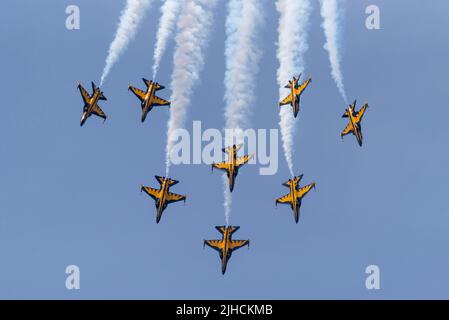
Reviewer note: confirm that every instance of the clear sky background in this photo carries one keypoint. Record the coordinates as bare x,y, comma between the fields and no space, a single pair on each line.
70,195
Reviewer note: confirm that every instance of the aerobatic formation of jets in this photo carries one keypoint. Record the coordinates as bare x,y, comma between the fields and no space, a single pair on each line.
163,197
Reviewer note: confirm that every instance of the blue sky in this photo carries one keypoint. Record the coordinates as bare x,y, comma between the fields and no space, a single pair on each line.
70,195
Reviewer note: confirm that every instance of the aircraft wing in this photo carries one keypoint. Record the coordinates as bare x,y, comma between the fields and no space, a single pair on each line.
153,193
243,160
349,128
304,190
97,111
221,165
237,244
215,244
160,102
360,114
287,100
84,93
139,93
285,199
173,197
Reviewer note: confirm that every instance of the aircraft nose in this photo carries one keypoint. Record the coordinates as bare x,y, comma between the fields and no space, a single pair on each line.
83,119
158,215
223,267
296,213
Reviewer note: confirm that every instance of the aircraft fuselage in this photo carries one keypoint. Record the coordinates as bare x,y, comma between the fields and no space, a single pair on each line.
225,253
161,204
295,100
295,204
89,106
355,125
147,103
232,172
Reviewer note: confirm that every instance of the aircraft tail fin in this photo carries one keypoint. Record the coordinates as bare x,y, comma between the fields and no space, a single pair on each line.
228,149
222,229
296,179
95,88
170,181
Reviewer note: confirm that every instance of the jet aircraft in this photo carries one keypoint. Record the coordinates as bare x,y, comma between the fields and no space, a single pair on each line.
296,91
354,125
91,103
163,196
295,196
148,98
233,164
226,245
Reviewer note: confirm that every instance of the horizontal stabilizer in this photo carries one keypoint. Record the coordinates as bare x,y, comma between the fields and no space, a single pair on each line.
222,229
170,181
147,82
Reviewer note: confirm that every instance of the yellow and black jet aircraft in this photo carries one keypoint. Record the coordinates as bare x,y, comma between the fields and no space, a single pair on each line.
149,99
91,103
296,90
163,197
233,164
296,194
354,126
226,245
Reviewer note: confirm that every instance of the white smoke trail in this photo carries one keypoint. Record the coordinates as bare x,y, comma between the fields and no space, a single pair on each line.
170,11
331,26
242,61
130,18
292,45
227,199
194,25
